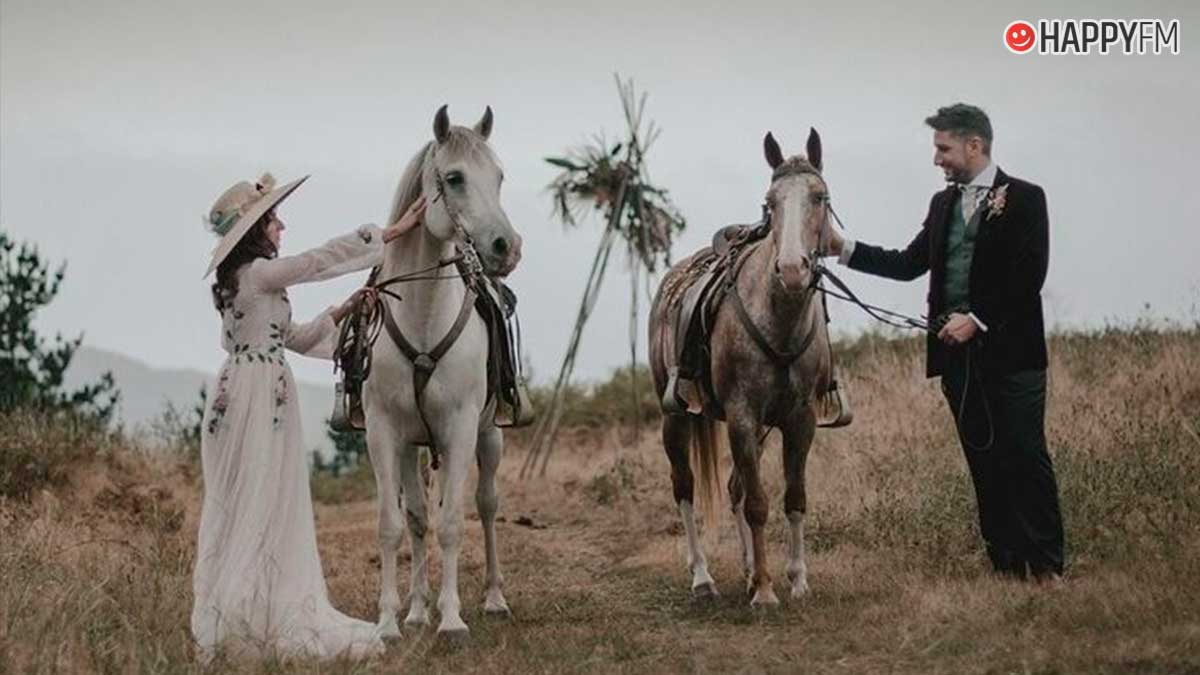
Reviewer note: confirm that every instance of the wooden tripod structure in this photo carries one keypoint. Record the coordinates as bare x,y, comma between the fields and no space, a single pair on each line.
596,176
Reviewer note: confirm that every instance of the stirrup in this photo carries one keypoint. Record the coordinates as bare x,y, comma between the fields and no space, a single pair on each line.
833,408
347,411
358,418
340,419
675,400
517,414
671,403
526,415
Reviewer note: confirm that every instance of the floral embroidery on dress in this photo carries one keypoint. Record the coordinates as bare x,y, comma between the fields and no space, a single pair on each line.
275,350
271,353
220,402
281,399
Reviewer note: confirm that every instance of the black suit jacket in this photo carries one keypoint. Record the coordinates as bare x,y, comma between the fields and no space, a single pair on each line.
1007,271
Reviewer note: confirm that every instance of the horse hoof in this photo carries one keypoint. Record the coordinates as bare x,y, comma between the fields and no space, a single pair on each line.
417,620
705,591
388,630
454,636
497,609
800,590
764,597
495,604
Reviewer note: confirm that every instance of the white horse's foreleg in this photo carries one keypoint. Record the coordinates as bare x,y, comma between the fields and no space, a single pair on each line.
702,583
417,515
491,443
457,452
382,446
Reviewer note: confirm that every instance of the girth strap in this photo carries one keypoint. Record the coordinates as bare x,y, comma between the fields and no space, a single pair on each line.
424,363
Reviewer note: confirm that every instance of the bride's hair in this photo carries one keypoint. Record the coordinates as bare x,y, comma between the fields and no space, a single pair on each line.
254,244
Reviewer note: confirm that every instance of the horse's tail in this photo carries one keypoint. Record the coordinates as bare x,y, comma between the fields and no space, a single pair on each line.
706,447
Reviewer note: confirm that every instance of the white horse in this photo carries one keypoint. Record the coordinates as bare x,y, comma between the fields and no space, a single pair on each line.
461,177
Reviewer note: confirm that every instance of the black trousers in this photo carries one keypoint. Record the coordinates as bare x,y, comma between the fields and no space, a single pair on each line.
1001,425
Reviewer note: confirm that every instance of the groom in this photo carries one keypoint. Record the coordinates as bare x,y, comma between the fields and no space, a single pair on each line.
985,244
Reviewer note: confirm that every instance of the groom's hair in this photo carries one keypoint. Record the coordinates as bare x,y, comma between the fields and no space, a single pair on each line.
963,121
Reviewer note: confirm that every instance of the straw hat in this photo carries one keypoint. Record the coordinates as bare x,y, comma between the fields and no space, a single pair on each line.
239,208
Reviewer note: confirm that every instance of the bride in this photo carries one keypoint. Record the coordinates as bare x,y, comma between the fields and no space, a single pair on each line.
258,584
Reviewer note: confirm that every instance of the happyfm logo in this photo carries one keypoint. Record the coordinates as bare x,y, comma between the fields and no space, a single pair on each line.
1019,37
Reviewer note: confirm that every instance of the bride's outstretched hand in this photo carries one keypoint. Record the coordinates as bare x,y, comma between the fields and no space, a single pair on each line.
410,219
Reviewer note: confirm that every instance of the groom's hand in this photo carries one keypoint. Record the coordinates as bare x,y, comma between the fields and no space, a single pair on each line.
959,329
835,241
835,244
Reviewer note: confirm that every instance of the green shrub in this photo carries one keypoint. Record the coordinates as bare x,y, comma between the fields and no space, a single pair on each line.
38,448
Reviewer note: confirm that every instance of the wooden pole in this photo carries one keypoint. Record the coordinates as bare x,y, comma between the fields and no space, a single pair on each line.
547,428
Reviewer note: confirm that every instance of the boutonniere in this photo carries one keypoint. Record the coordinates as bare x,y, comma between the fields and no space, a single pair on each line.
995,200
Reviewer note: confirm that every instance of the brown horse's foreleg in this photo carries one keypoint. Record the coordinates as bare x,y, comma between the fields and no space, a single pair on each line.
737,497
797,438
677,436
743,439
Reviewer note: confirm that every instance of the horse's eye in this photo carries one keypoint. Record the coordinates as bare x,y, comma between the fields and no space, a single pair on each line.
454,178
819,198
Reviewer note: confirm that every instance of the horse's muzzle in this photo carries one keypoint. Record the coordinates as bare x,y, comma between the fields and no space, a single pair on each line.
794,277
503,254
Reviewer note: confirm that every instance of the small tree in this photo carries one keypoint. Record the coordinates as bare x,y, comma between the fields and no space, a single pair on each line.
31,369
349,447
179,429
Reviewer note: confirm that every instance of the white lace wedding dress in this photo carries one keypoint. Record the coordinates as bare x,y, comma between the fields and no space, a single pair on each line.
258,584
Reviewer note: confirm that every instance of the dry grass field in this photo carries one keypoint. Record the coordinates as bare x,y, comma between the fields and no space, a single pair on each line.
97,540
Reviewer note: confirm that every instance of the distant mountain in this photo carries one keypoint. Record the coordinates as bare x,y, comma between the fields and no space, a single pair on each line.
145,391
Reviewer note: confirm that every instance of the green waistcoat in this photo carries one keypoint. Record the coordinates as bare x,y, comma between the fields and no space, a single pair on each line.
960,248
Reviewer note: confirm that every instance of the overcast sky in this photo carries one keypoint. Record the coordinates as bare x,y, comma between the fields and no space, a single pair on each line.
121,122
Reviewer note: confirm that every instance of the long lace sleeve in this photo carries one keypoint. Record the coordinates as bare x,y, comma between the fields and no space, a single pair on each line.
359,250
315,338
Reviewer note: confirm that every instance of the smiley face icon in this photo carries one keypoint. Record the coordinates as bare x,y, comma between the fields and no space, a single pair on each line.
1019,37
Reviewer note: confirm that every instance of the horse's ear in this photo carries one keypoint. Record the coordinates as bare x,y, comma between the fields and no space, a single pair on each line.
814,148
772,151
484,126
441,125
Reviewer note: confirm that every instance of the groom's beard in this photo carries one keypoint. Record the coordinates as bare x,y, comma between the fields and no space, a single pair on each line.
957,175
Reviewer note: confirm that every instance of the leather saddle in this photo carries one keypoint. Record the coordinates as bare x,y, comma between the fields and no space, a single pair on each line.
689,384
495,303
688,387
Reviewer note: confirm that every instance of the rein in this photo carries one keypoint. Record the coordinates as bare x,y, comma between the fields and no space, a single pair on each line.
889,317
899,320
782,359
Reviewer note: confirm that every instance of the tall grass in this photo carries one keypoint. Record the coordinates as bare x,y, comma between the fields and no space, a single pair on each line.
97,540
38,449
1122,414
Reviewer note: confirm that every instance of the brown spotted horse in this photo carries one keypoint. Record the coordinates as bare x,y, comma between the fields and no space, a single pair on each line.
765,348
